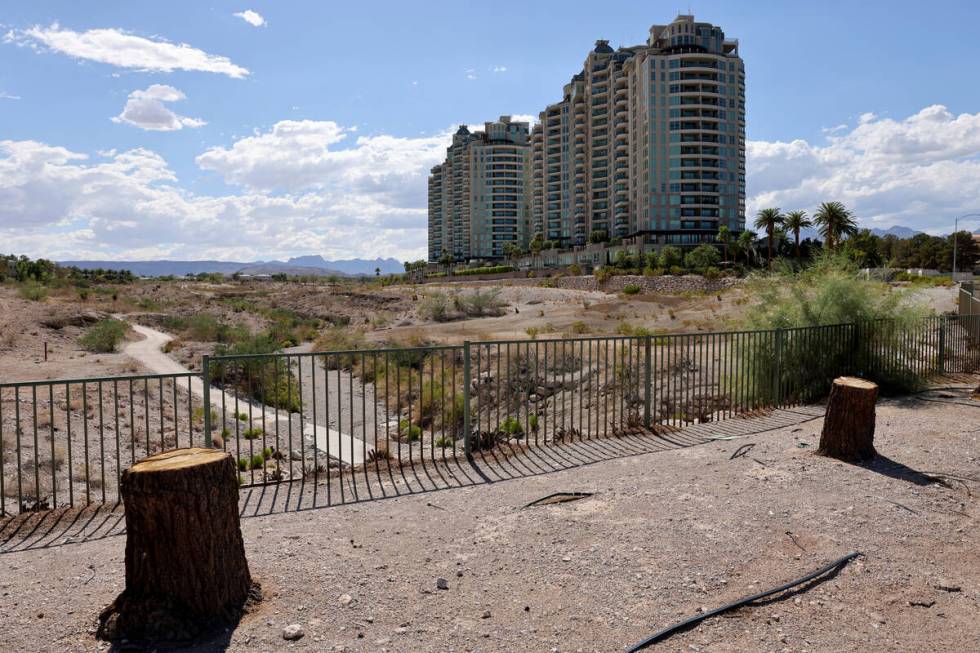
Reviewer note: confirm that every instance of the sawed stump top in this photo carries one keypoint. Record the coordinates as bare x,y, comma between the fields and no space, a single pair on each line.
176,459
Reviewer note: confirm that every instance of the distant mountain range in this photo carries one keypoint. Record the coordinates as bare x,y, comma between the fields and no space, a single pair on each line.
312,264
898,231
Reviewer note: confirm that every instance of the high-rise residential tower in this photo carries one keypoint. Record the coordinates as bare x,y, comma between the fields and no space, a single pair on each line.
478,198
647,143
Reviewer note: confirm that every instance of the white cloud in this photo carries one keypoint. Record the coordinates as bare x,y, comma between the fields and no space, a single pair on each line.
919,172
253,18
471,73
316,187
7,96
498,69
309,197
146,110
119,48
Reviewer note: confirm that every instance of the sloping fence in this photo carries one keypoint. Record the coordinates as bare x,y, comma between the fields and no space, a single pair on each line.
344,418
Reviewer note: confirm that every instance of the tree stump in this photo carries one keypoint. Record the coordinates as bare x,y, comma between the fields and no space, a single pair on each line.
186,571
849,425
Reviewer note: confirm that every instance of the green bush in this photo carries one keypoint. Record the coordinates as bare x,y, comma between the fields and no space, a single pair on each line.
409,431
631,289
242,465
104,335
832,292
258,462
702,257
511,426
480,303
252,434
435,307
32,291
495,269
670,257
712,273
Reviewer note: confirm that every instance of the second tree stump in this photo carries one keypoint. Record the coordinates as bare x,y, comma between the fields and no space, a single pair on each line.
849,425
185,558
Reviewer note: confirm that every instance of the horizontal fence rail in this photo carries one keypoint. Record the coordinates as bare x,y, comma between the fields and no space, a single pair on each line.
350,421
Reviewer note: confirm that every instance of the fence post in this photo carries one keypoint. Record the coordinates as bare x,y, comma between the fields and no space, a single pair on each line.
206,379
647,379
467,449
777,367
941,363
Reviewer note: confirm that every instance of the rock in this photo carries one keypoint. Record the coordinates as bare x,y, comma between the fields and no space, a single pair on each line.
346,599
295,455
442,584
921,603
292,632
486,614
947,586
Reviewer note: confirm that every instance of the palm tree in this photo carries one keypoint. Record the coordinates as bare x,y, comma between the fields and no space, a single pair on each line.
746,243
724,237
835,223
795,221
769,219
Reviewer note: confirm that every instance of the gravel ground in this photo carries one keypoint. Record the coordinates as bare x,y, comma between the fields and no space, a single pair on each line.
665,535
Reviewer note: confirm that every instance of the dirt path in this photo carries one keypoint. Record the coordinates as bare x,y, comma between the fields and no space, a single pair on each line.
148,352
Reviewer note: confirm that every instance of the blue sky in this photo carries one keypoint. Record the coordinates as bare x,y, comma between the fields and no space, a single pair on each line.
308,128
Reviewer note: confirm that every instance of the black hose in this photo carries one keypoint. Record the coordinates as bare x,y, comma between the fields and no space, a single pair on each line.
687,623
560,496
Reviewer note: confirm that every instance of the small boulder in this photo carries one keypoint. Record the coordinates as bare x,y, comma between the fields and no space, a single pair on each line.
442,584
292,632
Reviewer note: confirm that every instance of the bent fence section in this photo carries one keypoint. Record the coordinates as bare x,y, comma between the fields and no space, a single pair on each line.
341,418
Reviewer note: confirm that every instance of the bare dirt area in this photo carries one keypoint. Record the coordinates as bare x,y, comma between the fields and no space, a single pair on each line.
664,536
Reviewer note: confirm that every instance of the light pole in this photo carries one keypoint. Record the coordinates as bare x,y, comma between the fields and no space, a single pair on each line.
956,225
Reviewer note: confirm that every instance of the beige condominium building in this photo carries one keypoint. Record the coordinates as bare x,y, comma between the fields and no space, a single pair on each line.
478,197
646,144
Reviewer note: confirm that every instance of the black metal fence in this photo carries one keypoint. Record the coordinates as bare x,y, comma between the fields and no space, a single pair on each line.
346,419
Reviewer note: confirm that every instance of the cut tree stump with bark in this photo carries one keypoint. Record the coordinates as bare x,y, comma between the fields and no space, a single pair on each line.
849,425
186,571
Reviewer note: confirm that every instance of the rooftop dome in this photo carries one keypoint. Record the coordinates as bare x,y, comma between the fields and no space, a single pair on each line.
602,47
462,131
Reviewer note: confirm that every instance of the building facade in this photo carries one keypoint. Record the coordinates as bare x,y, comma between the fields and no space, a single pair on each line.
479,196
647,143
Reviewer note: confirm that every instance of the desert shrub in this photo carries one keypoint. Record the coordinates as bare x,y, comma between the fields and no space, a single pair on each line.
575,269
411,432
676,271
252,434
198,416
444,441
603,274
341,339
435,307
104,335
242,465
532,332
712,273
631,289
579,327
257,462
702,257
670,257
511,426
268,380
32,291
873,343
480,303
532,422
267,453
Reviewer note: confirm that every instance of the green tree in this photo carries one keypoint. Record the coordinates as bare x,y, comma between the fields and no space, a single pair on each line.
670,257
835,222
701,258
746,244
725,238
863,249
794,222
769,219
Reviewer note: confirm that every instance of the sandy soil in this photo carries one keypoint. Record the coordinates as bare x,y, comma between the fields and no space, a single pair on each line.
667,534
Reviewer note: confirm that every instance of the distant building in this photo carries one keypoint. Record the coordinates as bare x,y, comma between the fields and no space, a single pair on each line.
478,202
647,143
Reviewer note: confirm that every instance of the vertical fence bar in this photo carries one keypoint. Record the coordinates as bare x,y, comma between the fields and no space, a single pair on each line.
467,380
206,391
